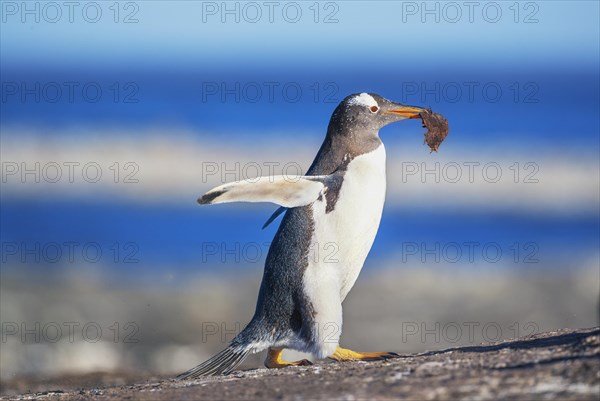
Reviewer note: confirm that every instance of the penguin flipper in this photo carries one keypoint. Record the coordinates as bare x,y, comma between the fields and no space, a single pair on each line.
286,191
275,214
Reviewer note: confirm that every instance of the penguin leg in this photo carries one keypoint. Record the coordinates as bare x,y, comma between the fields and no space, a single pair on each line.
343,354
274,360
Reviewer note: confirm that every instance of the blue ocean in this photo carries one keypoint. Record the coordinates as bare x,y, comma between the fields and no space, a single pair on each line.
551,110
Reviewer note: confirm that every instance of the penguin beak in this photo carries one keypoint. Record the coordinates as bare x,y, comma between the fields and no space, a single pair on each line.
406,111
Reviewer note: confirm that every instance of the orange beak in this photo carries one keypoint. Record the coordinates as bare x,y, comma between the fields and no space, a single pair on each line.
407,111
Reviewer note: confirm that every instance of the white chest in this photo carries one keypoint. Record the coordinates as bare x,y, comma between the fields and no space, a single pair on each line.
344,236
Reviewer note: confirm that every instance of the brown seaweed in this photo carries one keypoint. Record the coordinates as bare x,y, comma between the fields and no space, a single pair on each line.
437,128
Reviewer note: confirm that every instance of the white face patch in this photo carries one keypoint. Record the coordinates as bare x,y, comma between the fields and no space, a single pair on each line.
364,99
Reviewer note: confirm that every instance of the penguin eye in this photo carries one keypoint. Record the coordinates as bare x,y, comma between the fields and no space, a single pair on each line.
374,109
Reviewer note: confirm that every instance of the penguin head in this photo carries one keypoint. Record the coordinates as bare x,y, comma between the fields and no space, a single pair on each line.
370,112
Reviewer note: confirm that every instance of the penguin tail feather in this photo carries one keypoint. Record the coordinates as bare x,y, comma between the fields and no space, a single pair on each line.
221,364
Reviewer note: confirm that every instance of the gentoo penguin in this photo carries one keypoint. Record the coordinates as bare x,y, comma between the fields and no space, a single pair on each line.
332,217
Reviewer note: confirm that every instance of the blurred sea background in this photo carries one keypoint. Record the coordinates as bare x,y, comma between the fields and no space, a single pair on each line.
499,231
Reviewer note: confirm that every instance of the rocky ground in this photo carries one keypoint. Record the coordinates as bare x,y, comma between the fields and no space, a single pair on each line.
561,365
